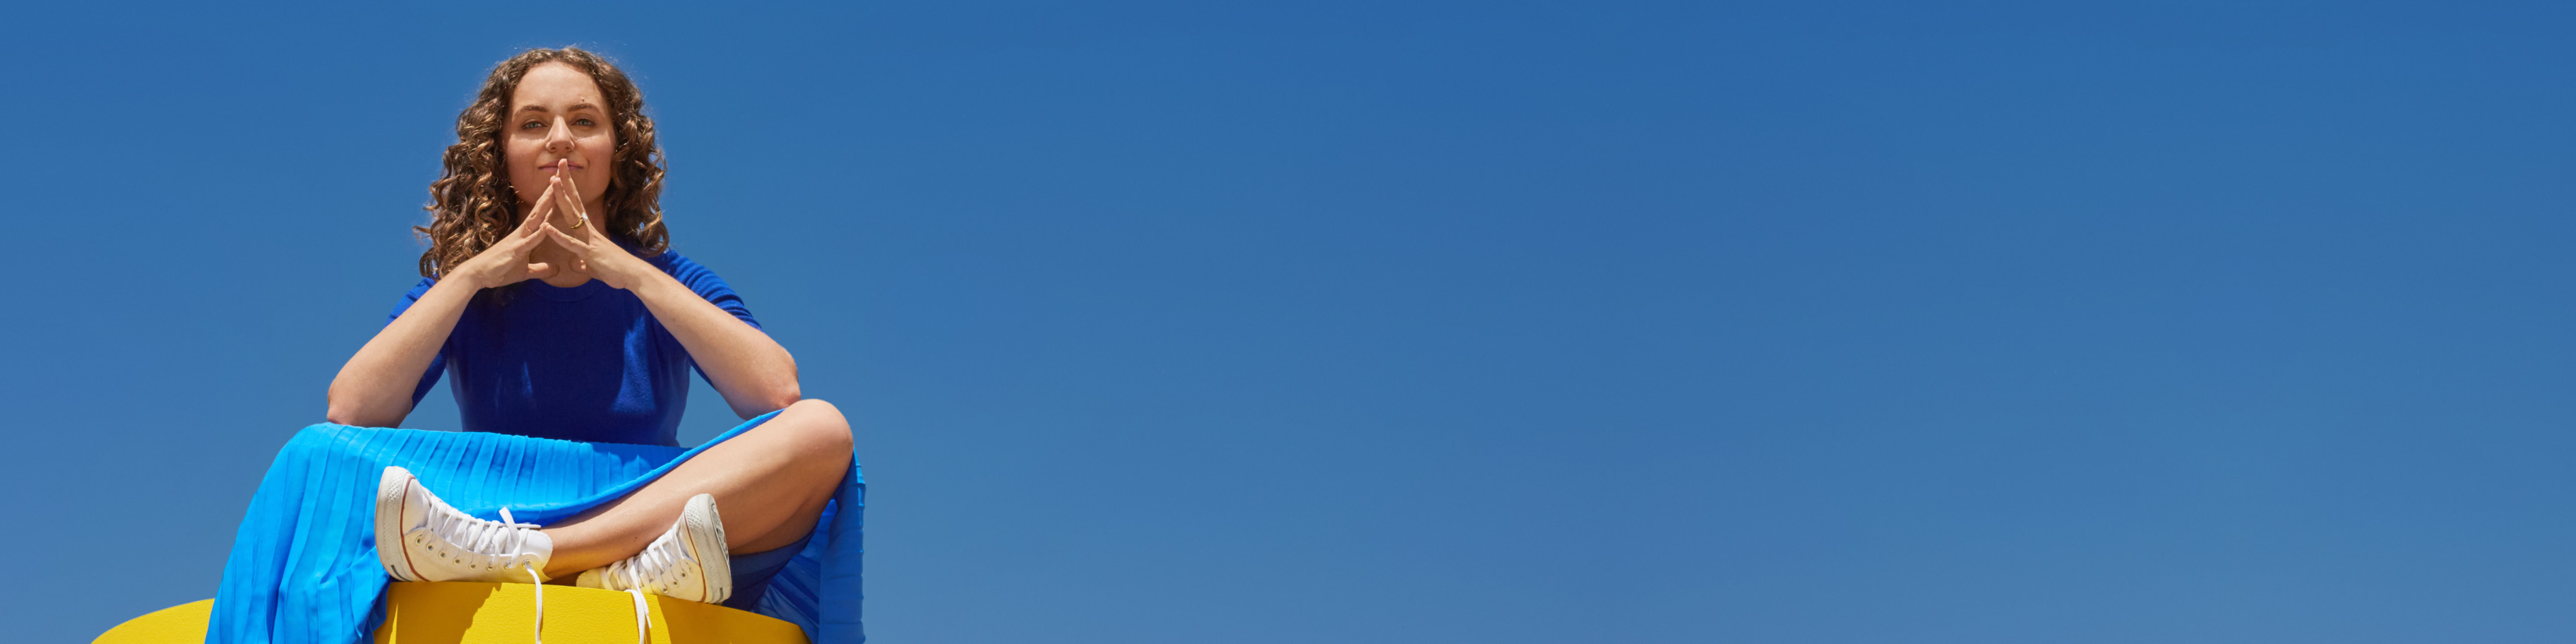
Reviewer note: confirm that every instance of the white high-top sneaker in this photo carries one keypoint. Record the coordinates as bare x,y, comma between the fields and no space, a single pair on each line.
687,562
421,538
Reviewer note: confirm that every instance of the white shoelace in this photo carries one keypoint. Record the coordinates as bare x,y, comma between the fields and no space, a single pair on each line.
508,536
643,611
662,558
538,631
643,618
480,536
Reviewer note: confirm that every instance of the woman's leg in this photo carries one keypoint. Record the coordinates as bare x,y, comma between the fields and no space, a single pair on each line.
770,485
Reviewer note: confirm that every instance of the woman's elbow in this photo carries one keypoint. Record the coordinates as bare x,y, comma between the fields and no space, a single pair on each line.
777,400
787,390
337,406
768,399
349,409
344,413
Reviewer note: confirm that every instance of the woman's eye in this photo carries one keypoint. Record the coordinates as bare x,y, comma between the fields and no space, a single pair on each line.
583,122
532,125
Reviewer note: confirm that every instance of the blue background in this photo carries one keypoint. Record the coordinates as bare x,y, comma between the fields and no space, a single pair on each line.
1422,322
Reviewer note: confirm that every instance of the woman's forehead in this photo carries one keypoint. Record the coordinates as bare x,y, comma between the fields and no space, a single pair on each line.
555,86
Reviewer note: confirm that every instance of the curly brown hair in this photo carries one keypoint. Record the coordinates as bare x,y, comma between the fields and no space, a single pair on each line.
472,205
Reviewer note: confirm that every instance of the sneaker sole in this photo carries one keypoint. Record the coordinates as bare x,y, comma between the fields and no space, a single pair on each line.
389,548
702,528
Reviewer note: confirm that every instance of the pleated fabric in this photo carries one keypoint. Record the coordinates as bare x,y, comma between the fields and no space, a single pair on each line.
303,568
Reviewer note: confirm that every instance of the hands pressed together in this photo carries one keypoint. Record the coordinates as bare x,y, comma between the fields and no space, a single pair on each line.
513,259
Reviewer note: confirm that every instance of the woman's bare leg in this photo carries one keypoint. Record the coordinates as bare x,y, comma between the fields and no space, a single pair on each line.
770,485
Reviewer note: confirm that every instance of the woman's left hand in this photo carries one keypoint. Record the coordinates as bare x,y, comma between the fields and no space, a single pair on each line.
593,252
755,375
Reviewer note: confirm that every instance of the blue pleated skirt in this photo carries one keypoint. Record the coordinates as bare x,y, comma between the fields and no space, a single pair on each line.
303,568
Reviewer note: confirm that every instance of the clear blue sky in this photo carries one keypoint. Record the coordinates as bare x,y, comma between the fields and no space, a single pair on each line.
1423,322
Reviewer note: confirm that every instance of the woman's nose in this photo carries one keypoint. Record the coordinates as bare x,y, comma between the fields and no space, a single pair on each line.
559,137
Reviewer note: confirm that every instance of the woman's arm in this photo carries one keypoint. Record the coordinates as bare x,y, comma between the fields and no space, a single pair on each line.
374,389
753,373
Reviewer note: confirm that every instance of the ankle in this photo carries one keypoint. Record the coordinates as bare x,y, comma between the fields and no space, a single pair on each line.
570,557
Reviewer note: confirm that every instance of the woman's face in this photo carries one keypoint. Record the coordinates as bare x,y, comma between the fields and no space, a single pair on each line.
558,121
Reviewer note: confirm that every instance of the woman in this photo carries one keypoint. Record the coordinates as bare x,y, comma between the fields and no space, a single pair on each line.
551,300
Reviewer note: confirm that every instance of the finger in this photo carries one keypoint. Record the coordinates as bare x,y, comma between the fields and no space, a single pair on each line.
577,246
565,202
570,199
572,203
541,270
537,215
527,235
526,247
554,186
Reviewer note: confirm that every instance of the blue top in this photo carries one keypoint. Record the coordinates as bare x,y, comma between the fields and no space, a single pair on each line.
586,363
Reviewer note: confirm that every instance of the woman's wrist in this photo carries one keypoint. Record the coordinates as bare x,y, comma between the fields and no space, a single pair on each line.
468,282
651,281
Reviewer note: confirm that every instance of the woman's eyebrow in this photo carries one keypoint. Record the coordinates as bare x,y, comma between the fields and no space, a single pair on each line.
576,107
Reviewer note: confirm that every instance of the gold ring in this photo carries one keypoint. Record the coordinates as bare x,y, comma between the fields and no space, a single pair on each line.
585,221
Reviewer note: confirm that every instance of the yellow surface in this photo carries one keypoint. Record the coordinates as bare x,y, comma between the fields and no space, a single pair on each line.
181,623
468,613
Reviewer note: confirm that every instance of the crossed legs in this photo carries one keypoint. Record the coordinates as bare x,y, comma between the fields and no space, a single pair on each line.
770,485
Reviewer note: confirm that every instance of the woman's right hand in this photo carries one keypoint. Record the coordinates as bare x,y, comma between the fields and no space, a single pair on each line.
508,261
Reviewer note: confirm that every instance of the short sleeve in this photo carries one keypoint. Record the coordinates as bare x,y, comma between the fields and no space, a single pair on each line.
708,287
437,365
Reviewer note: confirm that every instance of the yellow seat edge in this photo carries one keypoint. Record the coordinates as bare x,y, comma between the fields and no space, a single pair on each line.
181,623
464,613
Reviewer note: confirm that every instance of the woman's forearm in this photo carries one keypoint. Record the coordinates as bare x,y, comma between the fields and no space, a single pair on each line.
753,373
374,389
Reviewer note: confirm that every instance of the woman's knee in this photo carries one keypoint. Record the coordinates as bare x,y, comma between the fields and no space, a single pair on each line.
818,426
